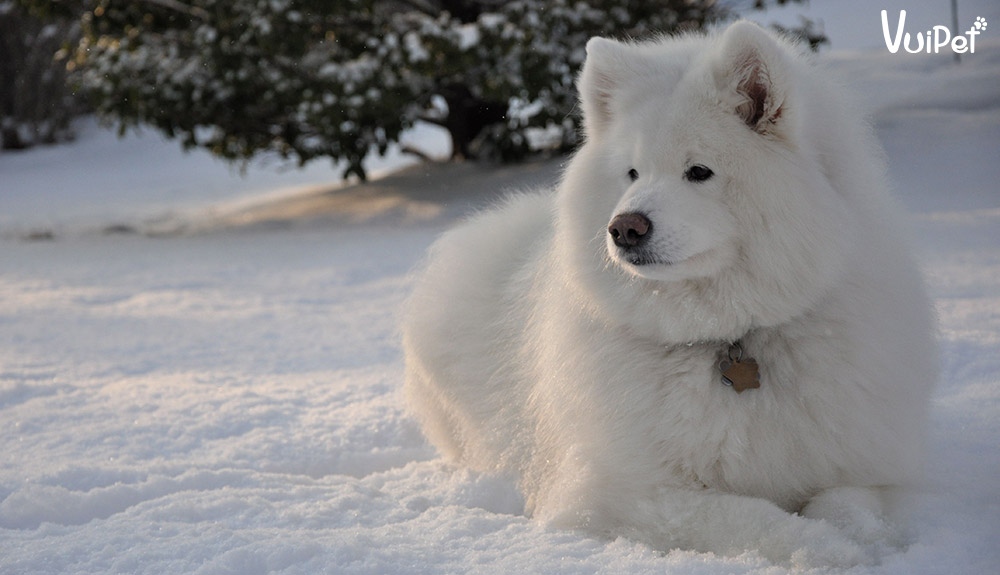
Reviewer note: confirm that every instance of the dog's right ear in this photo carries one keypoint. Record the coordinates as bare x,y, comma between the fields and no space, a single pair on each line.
609,65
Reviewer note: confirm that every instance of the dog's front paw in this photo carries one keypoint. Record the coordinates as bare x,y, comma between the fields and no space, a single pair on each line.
807,543
856,512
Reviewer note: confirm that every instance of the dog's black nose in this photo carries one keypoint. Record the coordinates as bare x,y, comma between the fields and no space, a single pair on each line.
629,230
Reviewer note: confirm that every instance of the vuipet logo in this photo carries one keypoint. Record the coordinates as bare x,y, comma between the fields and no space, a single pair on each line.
941,35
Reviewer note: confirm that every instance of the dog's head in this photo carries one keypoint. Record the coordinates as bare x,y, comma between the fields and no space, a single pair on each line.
696,168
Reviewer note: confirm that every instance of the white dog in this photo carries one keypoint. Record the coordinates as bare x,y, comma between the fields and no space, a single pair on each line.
711,336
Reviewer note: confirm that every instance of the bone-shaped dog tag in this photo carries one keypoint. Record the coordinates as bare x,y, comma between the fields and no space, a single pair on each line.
741,375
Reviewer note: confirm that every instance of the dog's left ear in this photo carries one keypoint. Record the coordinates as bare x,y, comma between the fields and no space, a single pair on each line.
751,68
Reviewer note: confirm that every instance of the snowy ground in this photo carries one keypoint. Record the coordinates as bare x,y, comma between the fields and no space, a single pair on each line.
228,401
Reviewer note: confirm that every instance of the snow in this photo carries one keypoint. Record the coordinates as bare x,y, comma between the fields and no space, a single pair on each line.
148,181
228,401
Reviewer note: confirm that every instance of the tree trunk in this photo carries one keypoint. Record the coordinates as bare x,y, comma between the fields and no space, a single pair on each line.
468,115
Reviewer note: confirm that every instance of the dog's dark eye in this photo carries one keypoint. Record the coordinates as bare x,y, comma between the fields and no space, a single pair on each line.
633,174
698,173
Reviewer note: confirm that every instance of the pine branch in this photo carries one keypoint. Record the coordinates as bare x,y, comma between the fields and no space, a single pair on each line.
424,6
433,120
193,11
407,149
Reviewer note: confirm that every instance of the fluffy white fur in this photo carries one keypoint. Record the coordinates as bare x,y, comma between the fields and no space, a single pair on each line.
536,349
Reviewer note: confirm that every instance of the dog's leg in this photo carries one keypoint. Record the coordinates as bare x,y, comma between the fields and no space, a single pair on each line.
720,523
859,512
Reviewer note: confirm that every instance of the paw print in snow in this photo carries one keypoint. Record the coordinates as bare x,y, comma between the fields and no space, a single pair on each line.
980,23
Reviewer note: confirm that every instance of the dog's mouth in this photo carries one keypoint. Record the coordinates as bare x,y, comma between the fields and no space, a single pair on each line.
656,267
640,259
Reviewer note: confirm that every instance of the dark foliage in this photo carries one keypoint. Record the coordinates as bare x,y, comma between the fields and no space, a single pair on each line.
341,79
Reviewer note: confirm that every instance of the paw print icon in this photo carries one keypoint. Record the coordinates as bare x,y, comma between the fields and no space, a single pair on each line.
980,23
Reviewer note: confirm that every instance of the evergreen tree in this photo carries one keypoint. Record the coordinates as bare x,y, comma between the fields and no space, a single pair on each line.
341,79
35,107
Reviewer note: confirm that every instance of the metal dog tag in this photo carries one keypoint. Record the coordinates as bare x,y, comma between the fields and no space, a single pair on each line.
738,373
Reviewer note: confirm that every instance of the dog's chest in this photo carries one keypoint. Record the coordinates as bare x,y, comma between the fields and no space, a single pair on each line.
697,431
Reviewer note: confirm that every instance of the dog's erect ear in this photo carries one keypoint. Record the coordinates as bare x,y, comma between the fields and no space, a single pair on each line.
608,67
751,66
